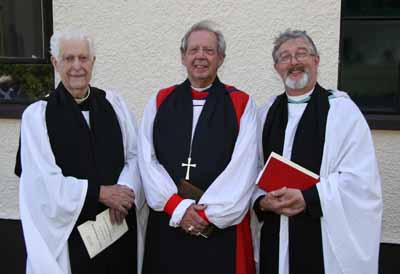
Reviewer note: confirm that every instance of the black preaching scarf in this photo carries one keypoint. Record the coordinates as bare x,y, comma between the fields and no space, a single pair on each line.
95,153
305,240
213,143
214,137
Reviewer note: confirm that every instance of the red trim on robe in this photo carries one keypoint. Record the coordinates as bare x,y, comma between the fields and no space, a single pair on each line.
163,93
244,247
203,215
198,95
239,100
172,203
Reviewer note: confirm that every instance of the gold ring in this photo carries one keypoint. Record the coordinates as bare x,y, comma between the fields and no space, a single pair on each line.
190,228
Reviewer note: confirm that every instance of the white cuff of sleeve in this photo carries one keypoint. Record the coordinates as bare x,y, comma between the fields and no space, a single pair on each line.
257,193
179,211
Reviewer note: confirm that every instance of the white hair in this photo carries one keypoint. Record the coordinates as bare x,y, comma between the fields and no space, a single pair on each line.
206,25
58,36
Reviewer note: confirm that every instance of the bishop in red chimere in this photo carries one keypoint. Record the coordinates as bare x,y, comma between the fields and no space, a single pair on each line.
203,131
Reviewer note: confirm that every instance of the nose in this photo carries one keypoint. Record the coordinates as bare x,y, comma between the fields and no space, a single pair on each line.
293,60
76,64
201,53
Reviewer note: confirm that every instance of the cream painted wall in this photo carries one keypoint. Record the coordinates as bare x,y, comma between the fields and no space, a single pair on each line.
9,135
137,54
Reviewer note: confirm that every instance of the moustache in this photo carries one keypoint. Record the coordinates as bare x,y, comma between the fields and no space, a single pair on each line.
296,67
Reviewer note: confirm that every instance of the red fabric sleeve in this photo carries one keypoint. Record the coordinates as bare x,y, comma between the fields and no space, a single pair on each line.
239,100
172,203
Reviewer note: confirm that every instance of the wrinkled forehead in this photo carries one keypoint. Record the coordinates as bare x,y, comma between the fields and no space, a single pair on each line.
74,46
202,38
293,45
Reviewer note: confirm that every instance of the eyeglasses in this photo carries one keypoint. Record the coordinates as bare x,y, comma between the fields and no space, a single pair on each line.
205,50
300,56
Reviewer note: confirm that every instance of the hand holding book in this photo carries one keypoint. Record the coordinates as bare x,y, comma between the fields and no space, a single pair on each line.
279,172
189,191
284,201
283,181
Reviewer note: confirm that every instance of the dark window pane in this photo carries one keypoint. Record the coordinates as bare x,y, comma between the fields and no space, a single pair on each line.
21,29
370,64
384,8
24,83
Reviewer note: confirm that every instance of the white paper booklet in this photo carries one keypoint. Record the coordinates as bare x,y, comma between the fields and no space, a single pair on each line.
100,234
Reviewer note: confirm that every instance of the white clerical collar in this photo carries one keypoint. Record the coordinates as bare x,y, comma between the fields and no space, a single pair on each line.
201,89
84,98
304,98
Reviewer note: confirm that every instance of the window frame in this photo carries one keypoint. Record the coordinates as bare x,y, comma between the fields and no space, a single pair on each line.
13,109
382,121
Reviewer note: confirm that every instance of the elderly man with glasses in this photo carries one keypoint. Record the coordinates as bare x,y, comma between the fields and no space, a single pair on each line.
202,131
334,226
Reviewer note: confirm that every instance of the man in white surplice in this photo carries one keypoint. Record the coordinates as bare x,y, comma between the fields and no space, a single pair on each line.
333,227
203,131
78,157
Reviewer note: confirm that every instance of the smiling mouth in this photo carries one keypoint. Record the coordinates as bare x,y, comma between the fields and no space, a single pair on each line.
295,71
201,68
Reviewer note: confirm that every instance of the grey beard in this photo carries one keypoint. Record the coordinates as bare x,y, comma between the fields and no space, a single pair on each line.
299,84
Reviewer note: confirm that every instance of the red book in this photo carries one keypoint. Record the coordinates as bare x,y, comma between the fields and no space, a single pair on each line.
279,172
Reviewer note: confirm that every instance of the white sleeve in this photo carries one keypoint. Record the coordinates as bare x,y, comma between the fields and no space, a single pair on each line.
261,117
228,197
350,191
130,175
158,185
49,202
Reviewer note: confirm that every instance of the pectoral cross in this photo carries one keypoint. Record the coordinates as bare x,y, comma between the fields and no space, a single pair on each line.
188,165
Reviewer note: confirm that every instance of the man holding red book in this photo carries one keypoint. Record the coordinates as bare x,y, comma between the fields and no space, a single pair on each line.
333,226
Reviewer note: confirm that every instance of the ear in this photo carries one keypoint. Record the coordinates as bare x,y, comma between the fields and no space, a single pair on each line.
54,62
94,59
183,58
316,60
220,60
276,67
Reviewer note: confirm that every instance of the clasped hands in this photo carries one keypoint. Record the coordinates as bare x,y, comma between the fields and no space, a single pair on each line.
192,222
283,201
119,199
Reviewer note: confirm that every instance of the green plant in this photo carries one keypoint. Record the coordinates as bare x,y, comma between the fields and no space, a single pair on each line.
35,80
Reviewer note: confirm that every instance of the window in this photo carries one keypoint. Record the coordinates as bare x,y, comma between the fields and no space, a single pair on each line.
25,70
370,59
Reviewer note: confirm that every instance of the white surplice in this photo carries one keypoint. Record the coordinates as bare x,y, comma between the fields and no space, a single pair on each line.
228,197
349,189
51,203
